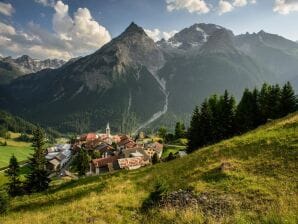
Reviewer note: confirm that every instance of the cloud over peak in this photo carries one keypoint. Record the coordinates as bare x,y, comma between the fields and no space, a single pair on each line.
198,6
6,9
285,7
157,35
73,36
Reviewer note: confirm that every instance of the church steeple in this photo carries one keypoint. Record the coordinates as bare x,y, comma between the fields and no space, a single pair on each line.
108,130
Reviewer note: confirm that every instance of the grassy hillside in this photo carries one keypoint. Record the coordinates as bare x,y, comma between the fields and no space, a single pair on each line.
258,186
20,149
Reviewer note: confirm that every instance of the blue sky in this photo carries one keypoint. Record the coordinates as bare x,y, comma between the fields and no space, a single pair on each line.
69,28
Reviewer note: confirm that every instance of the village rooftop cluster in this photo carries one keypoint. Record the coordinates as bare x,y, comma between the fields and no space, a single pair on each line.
112,152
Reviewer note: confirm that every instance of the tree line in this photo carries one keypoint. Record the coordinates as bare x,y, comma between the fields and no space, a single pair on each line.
218,117
37,178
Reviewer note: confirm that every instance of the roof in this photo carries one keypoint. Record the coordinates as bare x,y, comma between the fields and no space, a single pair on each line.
134,162
156,146
136,154
91,136
127,152
104,161
55,162
60,156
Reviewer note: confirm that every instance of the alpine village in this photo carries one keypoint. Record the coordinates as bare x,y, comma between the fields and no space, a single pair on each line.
177,121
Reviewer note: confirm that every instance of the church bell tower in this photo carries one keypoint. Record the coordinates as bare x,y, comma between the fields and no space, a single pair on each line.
108,130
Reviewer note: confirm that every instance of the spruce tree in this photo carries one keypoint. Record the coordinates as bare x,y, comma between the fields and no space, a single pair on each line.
246,112
288,101
82,162
227,111
206,127
14,186
179,130
193,131
37,179
263,103
274,99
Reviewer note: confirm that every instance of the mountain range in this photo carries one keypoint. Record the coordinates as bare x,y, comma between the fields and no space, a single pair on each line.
11,68
133,81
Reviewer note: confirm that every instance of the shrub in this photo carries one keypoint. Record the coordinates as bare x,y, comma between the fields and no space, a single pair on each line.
3,202
160,189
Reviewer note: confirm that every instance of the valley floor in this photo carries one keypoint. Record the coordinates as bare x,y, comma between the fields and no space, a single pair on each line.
247,179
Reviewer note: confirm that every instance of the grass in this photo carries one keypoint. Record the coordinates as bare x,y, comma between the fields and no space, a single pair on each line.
20,149
171,149
259,185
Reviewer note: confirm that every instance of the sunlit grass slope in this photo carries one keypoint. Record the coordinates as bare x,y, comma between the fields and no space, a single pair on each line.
20,149
259,185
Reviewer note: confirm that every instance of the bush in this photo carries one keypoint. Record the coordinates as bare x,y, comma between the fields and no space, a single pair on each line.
155,158
160,189
24,138
3,203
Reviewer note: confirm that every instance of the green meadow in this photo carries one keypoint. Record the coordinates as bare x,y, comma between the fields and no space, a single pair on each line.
20,149
257,185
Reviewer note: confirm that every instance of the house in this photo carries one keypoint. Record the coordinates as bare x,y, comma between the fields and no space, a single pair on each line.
53,164
135,152
126,143
57,159
88,137
132,163
104,148
181,153
153,148
106,164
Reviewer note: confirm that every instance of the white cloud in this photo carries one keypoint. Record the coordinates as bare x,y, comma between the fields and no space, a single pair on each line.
6,29
6,9
240,3
157,35
198,6
285,6
224,7
46,2
73,36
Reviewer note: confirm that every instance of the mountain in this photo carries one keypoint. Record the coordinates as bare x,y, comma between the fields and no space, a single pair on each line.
247,179
12,68
274,52
133,82
117,83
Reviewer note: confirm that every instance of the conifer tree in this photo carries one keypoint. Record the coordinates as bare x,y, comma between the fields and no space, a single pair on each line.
37,179
14,186
193,131
288,101
82,162
155,158
273,100
206,127
263,103
246,112
179,130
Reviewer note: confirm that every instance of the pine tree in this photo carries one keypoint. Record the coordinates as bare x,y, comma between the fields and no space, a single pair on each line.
37,179
288,101
193,131
82,162
155,158
227,111
246,112
14,187
274,99
263,103
206,127
179,130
